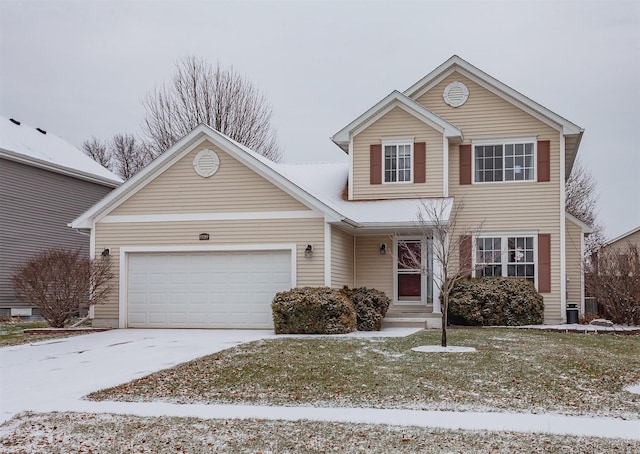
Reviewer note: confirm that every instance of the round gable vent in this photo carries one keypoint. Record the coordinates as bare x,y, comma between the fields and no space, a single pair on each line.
206,163
456,94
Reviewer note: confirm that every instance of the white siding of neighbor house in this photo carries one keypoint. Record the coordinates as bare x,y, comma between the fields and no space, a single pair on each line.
574,263
397,123
233,189
342,258
504,207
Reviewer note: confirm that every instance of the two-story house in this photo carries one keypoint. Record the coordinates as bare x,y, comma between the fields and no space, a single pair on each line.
209,231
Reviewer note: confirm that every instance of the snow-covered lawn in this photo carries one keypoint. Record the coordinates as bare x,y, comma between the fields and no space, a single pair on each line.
105,434
512,370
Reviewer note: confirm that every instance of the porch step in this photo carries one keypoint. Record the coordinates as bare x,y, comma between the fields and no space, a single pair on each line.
412,320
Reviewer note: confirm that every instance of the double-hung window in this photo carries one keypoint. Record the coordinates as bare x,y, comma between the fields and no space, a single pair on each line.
398,159
512,160
508,256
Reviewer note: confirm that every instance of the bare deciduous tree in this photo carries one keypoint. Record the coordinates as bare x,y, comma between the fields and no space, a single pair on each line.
60,282
124,154
129,155
451,249
581,199
97,150
218,97
614,280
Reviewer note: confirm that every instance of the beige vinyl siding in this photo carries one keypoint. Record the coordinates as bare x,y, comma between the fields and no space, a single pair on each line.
623,243
397,123
504,206
342,256
372,269
310,271
574,263
233,188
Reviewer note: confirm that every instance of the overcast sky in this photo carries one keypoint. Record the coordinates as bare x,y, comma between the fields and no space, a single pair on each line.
81,68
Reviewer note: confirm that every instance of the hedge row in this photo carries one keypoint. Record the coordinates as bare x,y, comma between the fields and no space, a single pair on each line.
324,310
495,301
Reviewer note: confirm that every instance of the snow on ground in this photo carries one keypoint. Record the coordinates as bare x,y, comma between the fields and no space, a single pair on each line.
440,349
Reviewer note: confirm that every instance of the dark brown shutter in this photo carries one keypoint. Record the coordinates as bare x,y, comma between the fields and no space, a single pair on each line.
465,255
544,263
544,158
465,164
375,175
419,162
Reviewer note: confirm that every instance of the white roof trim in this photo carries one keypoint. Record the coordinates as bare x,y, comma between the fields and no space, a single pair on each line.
394,99
35,162
494,85
259,164
586,229
621,237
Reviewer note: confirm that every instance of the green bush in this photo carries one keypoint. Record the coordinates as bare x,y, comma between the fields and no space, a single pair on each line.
313,310
371,306
495,301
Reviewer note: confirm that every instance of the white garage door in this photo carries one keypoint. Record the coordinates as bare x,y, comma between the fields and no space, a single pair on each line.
205,289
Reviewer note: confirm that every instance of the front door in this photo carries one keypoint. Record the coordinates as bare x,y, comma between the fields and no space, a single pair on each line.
413,266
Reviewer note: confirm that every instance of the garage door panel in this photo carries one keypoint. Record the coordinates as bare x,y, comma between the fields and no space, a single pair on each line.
200,290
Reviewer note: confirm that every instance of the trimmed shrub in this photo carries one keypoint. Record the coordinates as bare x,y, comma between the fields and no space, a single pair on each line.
371,306
313,310
495,301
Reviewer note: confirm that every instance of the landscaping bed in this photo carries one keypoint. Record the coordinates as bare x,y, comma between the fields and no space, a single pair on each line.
19,332
513,370
88,433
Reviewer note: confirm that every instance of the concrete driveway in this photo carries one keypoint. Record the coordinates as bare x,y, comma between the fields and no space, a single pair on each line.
42,375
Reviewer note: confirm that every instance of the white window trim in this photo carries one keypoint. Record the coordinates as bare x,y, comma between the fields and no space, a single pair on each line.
424,276
395,141
504,141
504,240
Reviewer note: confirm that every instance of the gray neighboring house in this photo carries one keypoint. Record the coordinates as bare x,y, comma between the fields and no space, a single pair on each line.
45,183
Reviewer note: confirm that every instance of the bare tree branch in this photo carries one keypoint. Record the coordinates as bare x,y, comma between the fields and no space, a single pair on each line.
218,97
97,150
450,247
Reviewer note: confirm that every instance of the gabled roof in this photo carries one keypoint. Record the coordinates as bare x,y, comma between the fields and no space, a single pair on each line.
623,236
570,130
586,229
318,186
394,99
37,147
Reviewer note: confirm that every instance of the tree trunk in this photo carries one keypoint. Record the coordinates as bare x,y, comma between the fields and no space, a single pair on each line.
445,304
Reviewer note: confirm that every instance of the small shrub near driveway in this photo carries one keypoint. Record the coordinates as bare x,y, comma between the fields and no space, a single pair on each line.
313,310
495,301
370,304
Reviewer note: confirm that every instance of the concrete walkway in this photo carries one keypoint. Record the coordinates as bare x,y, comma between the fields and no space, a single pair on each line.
54,375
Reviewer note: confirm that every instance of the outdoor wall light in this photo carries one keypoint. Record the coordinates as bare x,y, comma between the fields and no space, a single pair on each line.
308,252
105,252
383,248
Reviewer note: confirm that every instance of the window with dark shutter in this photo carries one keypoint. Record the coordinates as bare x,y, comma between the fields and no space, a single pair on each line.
544,160
465,164
465,258
544,263
419,162
375,174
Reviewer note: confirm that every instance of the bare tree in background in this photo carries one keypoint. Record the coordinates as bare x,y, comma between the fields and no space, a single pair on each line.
218,97
451,246
97,150
581,199
124,154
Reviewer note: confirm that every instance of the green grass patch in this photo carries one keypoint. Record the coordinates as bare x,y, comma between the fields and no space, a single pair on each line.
513,370
109,434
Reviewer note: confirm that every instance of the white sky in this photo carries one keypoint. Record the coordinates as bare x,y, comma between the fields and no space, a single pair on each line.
82,68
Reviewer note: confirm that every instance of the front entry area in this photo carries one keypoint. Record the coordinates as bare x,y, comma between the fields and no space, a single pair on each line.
221,289
413,271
